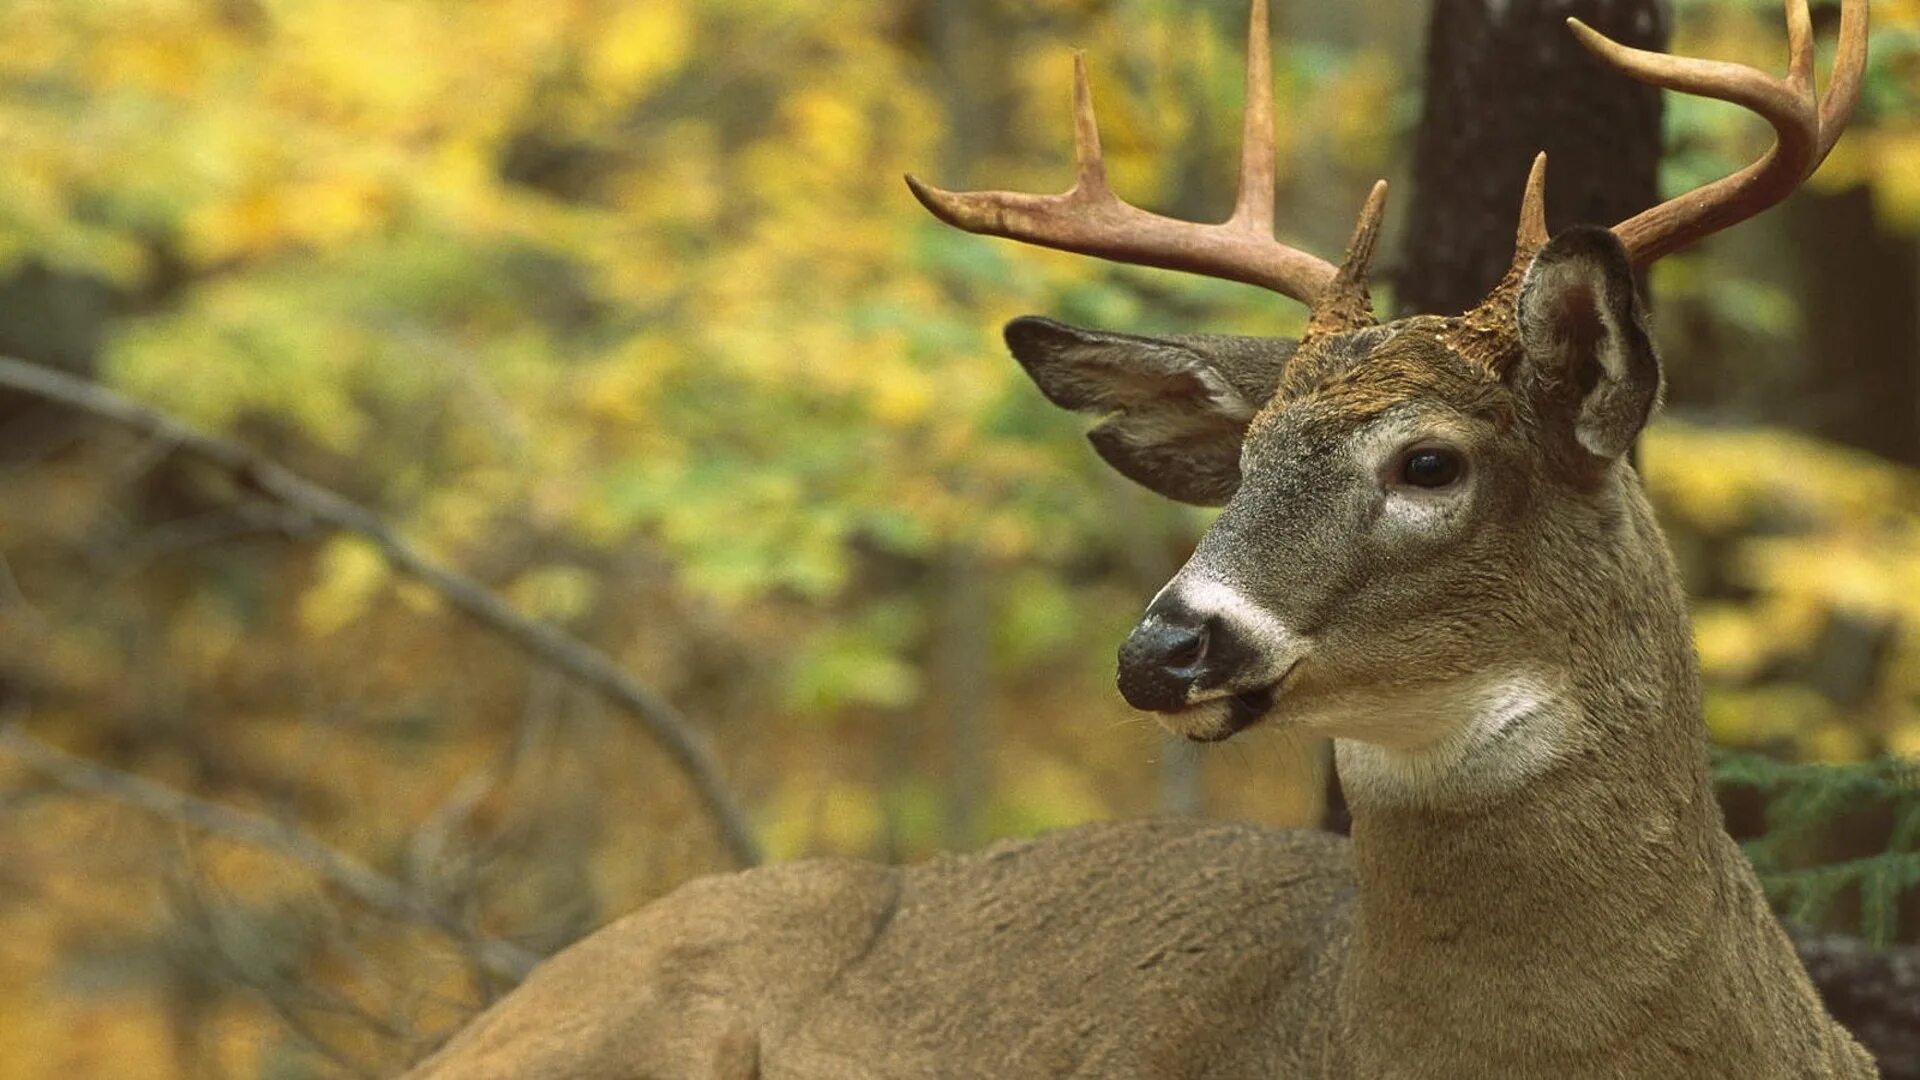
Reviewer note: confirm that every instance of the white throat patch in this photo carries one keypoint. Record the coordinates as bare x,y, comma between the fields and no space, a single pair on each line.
1494,732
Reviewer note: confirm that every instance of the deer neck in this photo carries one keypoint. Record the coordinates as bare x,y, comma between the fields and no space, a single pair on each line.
1562,862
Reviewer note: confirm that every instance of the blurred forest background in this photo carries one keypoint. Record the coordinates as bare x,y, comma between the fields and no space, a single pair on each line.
621,310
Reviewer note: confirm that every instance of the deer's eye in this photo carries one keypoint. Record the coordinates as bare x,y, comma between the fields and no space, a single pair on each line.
1431,467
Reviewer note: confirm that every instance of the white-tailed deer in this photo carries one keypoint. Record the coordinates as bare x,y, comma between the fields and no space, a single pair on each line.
1435,550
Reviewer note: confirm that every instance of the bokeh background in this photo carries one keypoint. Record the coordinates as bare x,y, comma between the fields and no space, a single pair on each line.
622,309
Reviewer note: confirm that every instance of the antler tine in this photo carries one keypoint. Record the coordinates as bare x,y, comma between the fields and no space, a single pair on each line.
1805,128
1800,56
1087,155
1849,69
1528,238
1091,220
1531,236
1346,304
1253,203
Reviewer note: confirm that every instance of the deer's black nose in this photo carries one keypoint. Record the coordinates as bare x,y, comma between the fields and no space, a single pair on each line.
1165,656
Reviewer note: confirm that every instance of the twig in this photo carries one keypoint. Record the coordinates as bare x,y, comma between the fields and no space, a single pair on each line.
288,996
338,869
565,653
254,518
12,596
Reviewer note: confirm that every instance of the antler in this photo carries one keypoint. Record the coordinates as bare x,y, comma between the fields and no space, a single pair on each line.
1090,219
1805,126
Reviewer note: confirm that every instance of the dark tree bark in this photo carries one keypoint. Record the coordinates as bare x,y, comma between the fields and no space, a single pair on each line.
1858,283
1505,80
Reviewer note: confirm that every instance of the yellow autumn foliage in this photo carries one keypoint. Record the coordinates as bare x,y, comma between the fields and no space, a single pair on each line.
622,309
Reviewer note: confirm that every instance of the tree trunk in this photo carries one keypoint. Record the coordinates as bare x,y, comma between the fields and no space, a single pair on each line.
1861,384
1505,80
965,664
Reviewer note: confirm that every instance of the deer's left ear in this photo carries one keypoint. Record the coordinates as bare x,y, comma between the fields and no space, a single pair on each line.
1174,409
1585,337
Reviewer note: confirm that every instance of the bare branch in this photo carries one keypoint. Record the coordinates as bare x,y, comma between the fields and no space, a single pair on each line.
338,869
551,646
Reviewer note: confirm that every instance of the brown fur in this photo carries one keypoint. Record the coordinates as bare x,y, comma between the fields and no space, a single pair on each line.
1539,883
1141,949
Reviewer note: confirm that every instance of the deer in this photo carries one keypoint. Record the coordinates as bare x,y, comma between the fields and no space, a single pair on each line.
1433,548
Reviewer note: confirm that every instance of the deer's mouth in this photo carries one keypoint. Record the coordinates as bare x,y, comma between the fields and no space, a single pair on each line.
1242,712
1222,719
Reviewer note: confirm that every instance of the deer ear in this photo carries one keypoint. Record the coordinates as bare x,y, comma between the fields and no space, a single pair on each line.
1176,409
1586,340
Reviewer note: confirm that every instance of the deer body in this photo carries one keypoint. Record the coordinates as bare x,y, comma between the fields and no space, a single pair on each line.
1593,919
1145,949
1433,550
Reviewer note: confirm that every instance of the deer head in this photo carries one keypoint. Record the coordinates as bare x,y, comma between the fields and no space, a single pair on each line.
1407,504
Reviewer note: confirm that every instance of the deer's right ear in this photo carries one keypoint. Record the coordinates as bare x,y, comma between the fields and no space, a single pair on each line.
1176,408
1586,340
